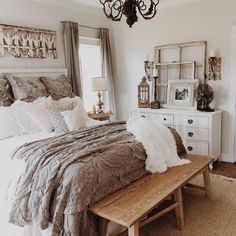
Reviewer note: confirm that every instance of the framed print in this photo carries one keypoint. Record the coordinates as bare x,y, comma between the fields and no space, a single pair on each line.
181,94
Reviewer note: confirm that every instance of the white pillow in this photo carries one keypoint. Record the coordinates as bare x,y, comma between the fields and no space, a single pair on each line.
14,120
74,119
56,118
76,102
19,113
80,104
38,113
8,126
44,101
63,101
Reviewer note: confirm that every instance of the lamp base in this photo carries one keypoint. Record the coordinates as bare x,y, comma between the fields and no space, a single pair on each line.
100,103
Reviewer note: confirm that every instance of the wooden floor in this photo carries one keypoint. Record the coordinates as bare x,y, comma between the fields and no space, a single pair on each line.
225,169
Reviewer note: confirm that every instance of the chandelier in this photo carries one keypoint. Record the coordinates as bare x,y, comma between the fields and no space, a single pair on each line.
115,9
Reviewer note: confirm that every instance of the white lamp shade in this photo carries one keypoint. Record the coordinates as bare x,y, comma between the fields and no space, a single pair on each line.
99,84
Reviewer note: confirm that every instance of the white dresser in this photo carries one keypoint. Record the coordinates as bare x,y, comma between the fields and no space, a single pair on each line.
200,131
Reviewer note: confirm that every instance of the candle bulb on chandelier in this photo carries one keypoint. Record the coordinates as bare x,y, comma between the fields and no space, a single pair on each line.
213,53
155,72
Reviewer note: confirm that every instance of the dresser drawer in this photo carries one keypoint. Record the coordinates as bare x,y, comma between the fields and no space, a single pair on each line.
137,114
192,121
167,120
191,134
200,148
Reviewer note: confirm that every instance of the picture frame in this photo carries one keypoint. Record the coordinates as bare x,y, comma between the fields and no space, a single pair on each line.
182,93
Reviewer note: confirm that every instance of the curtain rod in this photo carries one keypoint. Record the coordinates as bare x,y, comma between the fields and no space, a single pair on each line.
83,26
88,27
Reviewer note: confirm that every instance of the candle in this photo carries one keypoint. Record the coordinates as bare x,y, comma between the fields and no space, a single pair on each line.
213,53
155,72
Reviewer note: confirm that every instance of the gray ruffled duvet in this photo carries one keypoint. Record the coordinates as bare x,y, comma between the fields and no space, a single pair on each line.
64,175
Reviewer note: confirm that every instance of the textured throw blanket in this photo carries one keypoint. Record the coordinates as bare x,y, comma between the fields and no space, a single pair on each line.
159,143
64,175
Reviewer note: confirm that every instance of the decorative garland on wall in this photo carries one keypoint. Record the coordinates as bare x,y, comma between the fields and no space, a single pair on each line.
26,42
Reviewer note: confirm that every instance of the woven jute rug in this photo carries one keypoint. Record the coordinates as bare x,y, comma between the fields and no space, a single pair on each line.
203,217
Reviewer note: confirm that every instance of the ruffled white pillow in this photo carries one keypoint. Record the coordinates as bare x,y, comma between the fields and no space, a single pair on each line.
37,112
14,120
74,119
8,126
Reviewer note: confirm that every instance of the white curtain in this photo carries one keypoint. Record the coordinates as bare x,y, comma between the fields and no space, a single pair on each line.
107,69
71,49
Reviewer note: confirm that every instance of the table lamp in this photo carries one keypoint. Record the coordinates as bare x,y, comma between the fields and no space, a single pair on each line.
99,84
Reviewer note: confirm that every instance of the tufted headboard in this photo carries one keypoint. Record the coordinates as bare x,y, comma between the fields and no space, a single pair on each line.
34,72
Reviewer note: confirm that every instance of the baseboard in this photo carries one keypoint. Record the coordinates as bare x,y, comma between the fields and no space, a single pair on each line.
226,157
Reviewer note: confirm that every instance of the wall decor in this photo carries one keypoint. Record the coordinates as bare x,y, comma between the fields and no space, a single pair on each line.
214,66
26,42
148,67
181,94
179,61
144,94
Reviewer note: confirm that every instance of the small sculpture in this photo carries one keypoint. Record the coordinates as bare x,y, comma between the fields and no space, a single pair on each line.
49,42
43,45
36,43
24,40
16,39
2,53
8,39
1,36
30,40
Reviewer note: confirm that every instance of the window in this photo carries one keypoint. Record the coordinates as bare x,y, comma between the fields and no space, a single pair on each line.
91,66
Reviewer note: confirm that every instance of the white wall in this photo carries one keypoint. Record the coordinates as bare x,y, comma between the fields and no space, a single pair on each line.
232,112
199,20
38,15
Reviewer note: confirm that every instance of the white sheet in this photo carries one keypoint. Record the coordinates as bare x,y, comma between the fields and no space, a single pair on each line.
8,172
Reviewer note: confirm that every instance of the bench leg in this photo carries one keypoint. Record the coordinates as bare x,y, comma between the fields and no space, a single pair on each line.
179,212
134,230
103,224
207,183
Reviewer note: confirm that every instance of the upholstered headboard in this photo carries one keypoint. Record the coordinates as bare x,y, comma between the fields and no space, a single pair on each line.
34,72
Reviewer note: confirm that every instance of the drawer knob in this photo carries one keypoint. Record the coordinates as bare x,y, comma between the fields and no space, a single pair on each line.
164,119
143,116
190,148
190,134
190,121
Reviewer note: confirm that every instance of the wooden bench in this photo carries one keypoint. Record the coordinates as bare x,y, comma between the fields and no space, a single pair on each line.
130,206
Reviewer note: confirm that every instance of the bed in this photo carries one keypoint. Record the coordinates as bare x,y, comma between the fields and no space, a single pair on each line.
54,177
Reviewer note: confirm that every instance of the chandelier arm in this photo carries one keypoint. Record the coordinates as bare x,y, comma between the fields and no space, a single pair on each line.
113,9
151,12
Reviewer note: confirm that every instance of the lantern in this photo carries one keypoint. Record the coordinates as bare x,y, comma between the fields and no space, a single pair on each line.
143,94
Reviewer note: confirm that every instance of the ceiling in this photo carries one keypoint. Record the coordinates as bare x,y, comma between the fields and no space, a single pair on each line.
92,3
95,4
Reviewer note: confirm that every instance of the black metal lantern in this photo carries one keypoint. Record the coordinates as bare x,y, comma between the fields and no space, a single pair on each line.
144,94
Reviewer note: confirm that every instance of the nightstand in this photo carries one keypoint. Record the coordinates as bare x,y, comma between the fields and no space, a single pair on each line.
100,116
